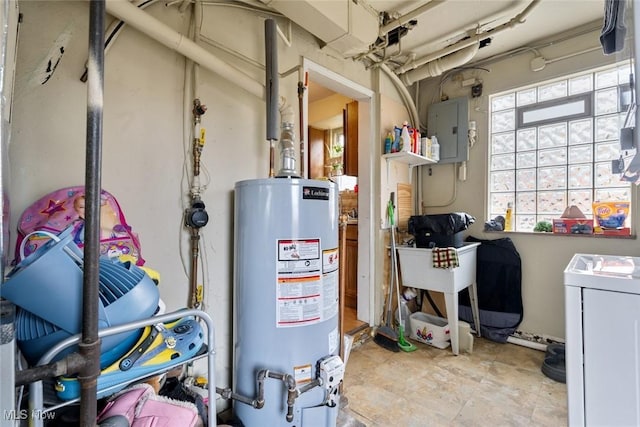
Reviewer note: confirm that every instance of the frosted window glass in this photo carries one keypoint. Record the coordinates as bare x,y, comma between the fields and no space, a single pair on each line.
613,194
499,203
582,199
552,91
607,151
526,160
552,202
526,139
552,135
606,78
581,131
503,143
503,102
607,101
581,154
580,176
607,127
580,84
624,74
551,157
503,121
525,222
526,179
526,203
526,97
503,181
552,178
604,177
503,161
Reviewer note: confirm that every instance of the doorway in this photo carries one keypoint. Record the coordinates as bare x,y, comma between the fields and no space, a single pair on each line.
338,87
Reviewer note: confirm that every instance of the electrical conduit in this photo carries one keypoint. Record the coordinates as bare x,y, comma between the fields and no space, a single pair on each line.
402,90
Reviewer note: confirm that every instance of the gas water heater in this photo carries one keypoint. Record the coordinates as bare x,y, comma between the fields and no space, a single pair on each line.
286,335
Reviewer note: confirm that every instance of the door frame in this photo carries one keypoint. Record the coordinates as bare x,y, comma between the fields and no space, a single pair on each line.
365,97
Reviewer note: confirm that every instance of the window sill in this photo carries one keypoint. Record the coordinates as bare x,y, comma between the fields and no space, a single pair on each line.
538,233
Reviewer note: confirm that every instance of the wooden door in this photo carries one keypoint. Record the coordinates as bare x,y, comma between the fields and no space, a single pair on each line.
351,265
316,153
351,139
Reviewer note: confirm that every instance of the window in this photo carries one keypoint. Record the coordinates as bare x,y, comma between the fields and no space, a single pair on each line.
554,144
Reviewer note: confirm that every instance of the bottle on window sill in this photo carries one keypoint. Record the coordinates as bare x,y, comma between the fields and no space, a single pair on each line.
508,218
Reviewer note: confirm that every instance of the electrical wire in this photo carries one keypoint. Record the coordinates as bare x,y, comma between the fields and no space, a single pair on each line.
187,146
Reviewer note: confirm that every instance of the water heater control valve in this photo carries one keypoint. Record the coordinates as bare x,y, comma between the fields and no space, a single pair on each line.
331,374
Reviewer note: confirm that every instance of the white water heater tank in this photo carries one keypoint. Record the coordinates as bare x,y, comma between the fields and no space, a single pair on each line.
285,296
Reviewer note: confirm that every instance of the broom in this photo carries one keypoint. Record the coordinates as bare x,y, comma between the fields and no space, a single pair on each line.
386,336
403,344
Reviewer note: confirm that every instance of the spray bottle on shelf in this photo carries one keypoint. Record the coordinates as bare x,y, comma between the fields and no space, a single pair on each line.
395,147
508,218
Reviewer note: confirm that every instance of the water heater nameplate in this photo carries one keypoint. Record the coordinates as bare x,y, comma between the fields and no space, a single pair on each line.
299,290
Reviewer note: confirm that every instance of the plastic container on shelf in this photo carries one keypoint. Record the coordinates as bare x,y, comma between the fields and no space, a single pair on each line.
388,142
405,138
425,147
435,149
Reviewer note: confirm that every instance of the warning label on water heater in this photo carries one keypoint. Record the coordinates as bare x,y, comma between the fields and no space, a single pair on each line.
299,283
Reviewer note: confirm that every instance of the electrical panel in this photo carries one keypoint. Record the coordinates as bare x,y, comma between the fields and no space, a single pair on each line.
449,122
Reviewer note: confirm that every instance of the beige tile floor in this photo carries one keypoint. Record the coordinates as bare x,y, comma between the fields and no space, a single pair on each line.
497,385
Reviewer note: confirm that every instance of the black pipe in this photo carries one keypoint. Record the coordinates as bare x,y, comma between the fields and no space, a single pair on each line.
271,77
67,366
90,344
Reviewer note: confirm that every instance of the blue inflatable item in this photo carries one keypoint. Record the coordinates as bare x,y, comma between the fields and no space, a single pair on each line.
47,289
160,346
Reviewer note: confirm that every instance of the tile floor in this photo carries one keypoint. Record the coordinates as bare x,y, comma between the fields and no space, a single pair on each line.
496,385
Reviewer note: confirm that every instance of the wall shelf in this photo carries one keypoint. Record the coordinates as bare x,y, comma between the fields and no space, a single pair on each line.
408,158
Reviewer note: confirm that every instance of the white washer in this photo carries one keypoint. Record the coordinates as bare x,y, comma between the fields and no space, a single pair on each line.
602,309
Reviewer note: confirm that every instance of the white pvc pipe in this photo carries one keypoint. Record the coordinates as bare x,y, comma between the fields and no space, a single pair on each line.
439,66
167,36
524,343
518,19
